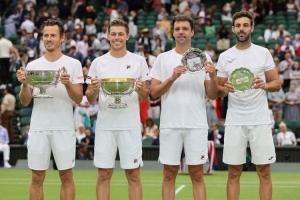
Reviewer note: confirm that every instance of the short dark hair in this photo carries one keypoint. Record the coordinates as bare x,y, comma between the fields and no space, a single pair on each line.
183,18
53,22
241,14
118,22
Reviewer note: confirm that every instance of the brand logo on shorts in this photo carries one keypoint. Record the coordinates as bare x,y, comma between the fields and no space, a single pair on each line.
202,157
271,158
135,160
128,67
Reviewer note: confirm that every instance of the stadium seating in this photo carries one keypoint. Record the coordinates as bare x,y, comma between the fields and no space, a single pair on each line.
147,141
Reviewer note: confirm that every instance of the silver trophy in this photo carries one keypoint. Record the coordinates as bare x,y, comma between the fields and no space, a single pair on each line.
118,87
194,60
43,79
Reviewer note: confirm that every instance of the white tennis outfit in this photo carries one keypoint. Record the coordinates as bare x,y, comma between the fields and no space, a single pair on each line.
52,125
118,128
183,119
247,118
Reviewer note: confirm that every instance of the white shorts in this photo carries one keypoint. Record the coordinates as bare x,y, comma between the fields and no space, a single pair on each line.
62,144
129,144
194,141
260,140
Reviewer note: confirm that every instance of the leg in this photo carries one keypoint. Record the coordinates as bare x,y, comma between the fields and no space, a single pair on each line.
233,182
36,191
168,185
134,183
103,184
196,174
67,190
265,184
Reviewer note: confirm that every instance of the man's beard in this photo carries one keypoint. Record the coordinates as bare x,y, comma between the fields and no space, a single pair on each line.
243,40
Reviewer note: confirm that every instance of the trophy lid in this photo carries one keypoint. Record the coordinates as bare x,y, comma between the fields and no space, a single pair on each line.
117,79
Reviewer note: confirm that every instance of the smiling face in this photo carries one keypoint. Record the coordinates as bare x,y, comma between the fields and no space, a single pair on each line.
182,32
52,38
242,29
117,37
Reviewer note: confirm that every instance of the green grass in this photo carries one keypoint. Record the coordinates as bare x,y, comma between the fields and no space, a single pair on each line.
14,185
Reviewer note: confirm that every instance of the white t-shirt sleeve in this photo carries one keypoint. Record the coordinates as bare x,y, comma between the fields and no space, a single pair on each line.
156,69
221,67
78,74
208,59
269,61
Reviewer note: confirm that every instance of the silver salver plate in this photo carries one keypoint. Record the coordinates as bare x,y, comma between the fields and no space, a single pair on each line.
194,60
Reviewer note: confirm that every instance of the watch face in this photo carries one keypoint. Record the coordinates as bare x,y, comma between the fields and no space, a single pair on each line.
194,60
242,79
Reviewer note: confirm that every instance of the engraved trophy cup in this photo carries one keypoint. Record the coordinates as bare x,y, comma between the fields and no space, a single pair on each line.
117,87
43,79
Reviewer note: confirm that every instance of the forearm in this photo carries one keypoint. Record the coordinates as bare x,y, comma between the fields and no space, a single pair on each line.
273,86
213,89
222,92
25,94
3,108
160,89
75,92
92,94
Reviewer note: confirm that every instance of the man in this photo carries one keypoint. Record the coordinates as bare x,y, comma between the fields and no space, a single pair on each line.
52,126
183,119
7,112
118,128
216,135
6,48
248,118
4,141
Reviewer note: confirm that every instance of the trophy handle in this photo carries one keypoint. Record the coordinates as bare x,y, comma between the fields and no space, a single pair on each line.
59,72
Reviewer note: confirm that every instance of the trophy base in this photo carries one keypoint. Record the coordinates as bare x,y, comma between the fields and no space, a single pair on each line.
117,106
42,96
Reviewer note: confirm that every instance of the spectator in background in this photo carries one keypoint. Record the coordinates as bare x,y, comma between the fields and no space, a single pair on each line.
91,13
276,99
281,34
292,101
216,135
278,53
211,113
199,27
83,46
64,11
162,13
93,109
28,25
89,139
150,129
10,23
285,137
287,47
69,26
83,153
132,23
223,35
96,44
80,133
114,13
90,27
75,54
154,108
285,67
69,42
211,52
295,74
270,33
166,24
88,59
203,14
210,29
78,33
102,37
32,45
144,39
291,7
7,112
161,32
4,141
227,8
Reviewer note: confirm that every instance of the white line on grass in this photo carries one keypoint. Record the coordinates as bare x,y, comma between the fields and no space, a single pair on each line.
179,189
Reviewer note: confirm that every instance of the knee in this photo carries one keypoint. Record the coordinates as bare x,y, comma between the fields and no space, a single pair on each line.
197,178
37,177
104,174
235,172
264,172
66,176
170,174
133,175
